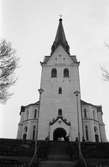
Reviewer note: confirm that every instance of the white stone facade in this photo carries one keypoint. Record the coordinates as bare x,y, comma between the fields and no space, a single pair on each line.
93,126
28,121
91,118
60,112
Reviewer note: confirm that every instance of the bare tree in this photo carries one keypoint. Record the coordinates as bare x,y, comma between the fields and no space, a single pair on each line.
105,73
8,64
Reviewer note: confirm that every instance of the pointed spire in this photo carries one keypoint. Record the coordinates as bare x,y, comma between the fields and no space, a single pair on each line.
60,38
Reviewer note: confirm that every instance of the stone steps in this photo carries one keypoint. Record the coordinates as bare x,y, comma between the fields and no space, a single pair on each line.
57,163
57,151
58,156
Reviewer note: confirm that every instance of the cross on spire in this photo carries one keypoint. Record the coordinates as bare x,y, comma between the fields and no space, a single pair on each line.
60,16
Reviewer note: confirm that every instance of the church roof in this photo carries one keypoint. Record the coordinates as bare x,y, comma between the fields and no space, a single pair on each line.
73,57
99,107
31,104
60,38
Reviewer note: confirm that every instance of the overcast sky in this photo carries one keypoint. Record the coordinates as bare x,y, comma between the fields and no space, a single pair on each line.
30,25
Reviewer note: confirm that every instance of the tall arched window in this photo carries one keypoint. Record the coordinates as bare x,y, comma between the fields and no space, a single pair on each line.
95,129
66,73
86,131
25,133
85,113
96,134
25,128
27,114
93,114
34,132
96,138
24,136
54,73
35,112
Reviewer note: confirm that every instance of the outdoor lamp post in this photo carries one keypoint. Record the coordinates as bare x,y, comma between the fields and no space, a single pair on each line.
79,145
82,160
35,156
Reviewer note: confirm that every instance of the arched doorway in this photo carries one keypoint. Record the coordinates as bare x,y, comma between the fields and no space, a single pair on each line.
59,133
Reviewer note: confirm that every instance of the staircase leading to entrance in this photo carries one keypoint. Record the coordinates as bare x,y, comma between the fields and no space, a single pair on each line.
59,154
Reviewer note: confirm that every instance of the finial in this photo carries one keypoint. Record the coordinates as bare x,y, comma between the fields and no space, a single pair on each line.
60,19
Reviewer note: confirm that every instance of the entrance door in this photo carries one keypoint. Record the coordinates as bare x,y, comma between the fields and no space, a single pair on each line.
59,134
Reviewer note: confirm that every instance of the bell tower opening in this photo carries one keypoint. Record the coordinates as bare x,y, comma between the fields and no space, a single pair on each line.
59,134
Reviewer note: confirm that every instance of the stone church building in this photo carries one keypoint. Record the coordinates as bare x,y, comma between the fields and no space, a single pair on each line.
60,129
60,113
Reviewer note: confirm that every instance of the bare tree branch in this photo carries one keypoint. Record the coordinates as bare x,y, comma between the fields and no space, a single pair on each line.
106,44
105,73
8,64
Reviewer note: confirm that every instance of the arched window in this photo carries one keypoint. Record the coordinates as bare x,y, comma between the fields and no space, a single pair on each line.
85,113
96,134
24,136
27,114
25,133
95,129
60,90
54,73
35,112
66,73
34,132
96,138
86,130
25,128
93,114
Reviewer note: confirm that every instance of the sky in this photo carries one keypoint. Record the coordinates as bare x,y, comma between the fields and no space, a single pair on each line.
30,26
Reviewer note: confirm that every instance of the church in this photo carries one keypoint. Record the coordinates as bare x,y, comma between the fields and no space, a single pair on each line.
60,113
59,129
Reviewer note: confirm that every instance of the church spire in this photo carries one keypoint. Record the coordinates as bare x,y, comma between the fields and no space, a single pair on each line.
60,39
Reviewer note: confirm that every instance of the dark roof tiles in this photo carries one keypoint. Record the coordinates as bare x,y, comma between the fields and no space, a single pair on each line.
60,39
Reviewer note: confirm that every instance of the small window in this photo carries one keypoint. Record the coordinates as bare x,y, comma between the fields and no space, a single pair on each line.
86,130
35,112
53,73
66,73
60,90
59,112
85,113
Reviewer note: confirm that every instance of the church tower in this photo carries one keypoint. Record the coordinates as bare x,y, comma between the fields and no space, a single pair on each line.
60,112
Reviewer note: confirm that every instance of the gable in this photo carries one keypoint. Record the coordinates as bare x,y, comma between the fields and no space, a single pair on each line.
59,57
60,119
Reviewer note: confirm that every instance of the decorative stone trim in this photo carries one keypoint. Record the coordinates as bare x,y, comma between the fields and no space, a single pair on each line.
60,117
